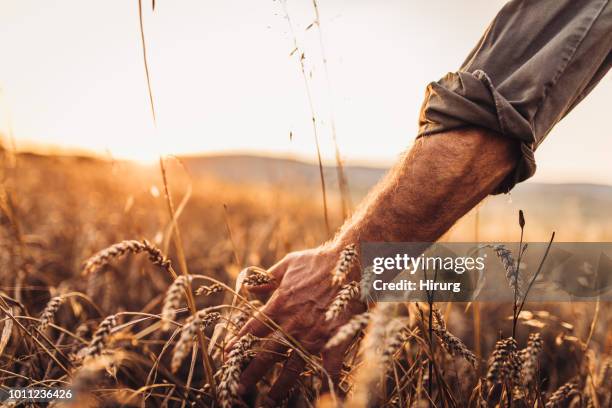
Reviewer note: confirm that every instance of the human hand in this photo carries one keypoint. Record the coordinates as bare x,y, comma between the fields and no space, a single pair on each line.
302,290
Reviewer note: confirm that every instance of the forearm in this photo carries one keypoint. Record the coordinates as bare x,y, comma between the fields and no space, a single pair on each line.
439,180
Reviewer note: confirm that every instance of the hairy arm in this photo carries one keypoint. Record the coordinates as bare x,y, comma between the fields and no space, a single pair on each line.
439,180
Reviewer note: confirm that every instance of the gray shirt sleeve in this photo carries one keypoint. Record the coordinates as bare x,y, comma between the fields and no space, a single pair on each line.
535,62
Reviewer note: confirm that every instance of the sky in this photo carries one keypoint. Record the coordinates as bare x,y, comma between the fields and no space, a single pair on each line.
224,79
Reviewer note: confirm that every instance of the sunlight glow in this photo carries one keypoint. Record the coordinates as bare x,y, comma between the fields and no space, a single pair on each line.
224,79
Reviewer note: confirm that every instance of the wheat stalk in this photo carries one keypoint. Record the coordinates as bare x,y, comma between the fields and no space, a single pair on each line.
340,303
199,321
346,260
227,390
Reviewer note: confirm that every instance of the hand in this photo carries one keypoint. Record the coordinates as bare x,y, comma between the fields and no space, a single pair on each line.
301,295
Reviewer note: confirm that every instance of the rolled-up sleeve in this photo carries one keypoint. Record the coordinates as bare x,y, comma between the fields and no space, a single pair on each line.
535,62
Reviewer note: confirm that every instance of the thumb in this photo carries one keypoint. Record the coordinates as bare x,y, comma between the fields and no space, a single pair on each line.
278,270
333,361
274,276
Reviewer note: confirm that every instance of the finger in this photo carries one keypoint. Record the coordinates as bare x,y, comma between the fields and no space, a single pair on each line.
332,364
254,326
258,325
276,272
262,289
271,352
278,269
286,380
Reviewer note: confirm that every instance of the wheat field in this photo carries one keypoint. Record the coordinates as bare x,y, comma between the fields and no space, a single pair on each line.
98,294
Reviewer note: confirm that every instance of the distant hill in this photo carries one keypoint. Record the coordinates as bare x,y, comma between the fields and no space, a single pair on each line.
278,171
585,206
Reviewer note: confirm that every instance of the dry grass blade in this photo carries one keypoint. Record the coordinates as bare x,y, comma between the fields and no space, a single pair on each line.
178,244
7,330
345,195
145,59
312,117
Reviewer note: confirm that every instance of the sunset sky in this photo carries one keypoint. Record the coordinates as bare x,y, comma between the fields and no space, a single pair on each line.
71,75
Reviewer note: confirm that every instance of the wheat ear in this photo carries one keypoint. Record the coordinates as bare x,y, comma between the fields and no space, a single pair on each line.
227,390
257,279
339,304
101,336
398,334
561,394
102,258
243,315
365,284
529,357
373,342
172,301
209,290
513,276
346,260
504,363
199,321
47,315
347,331
451,343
